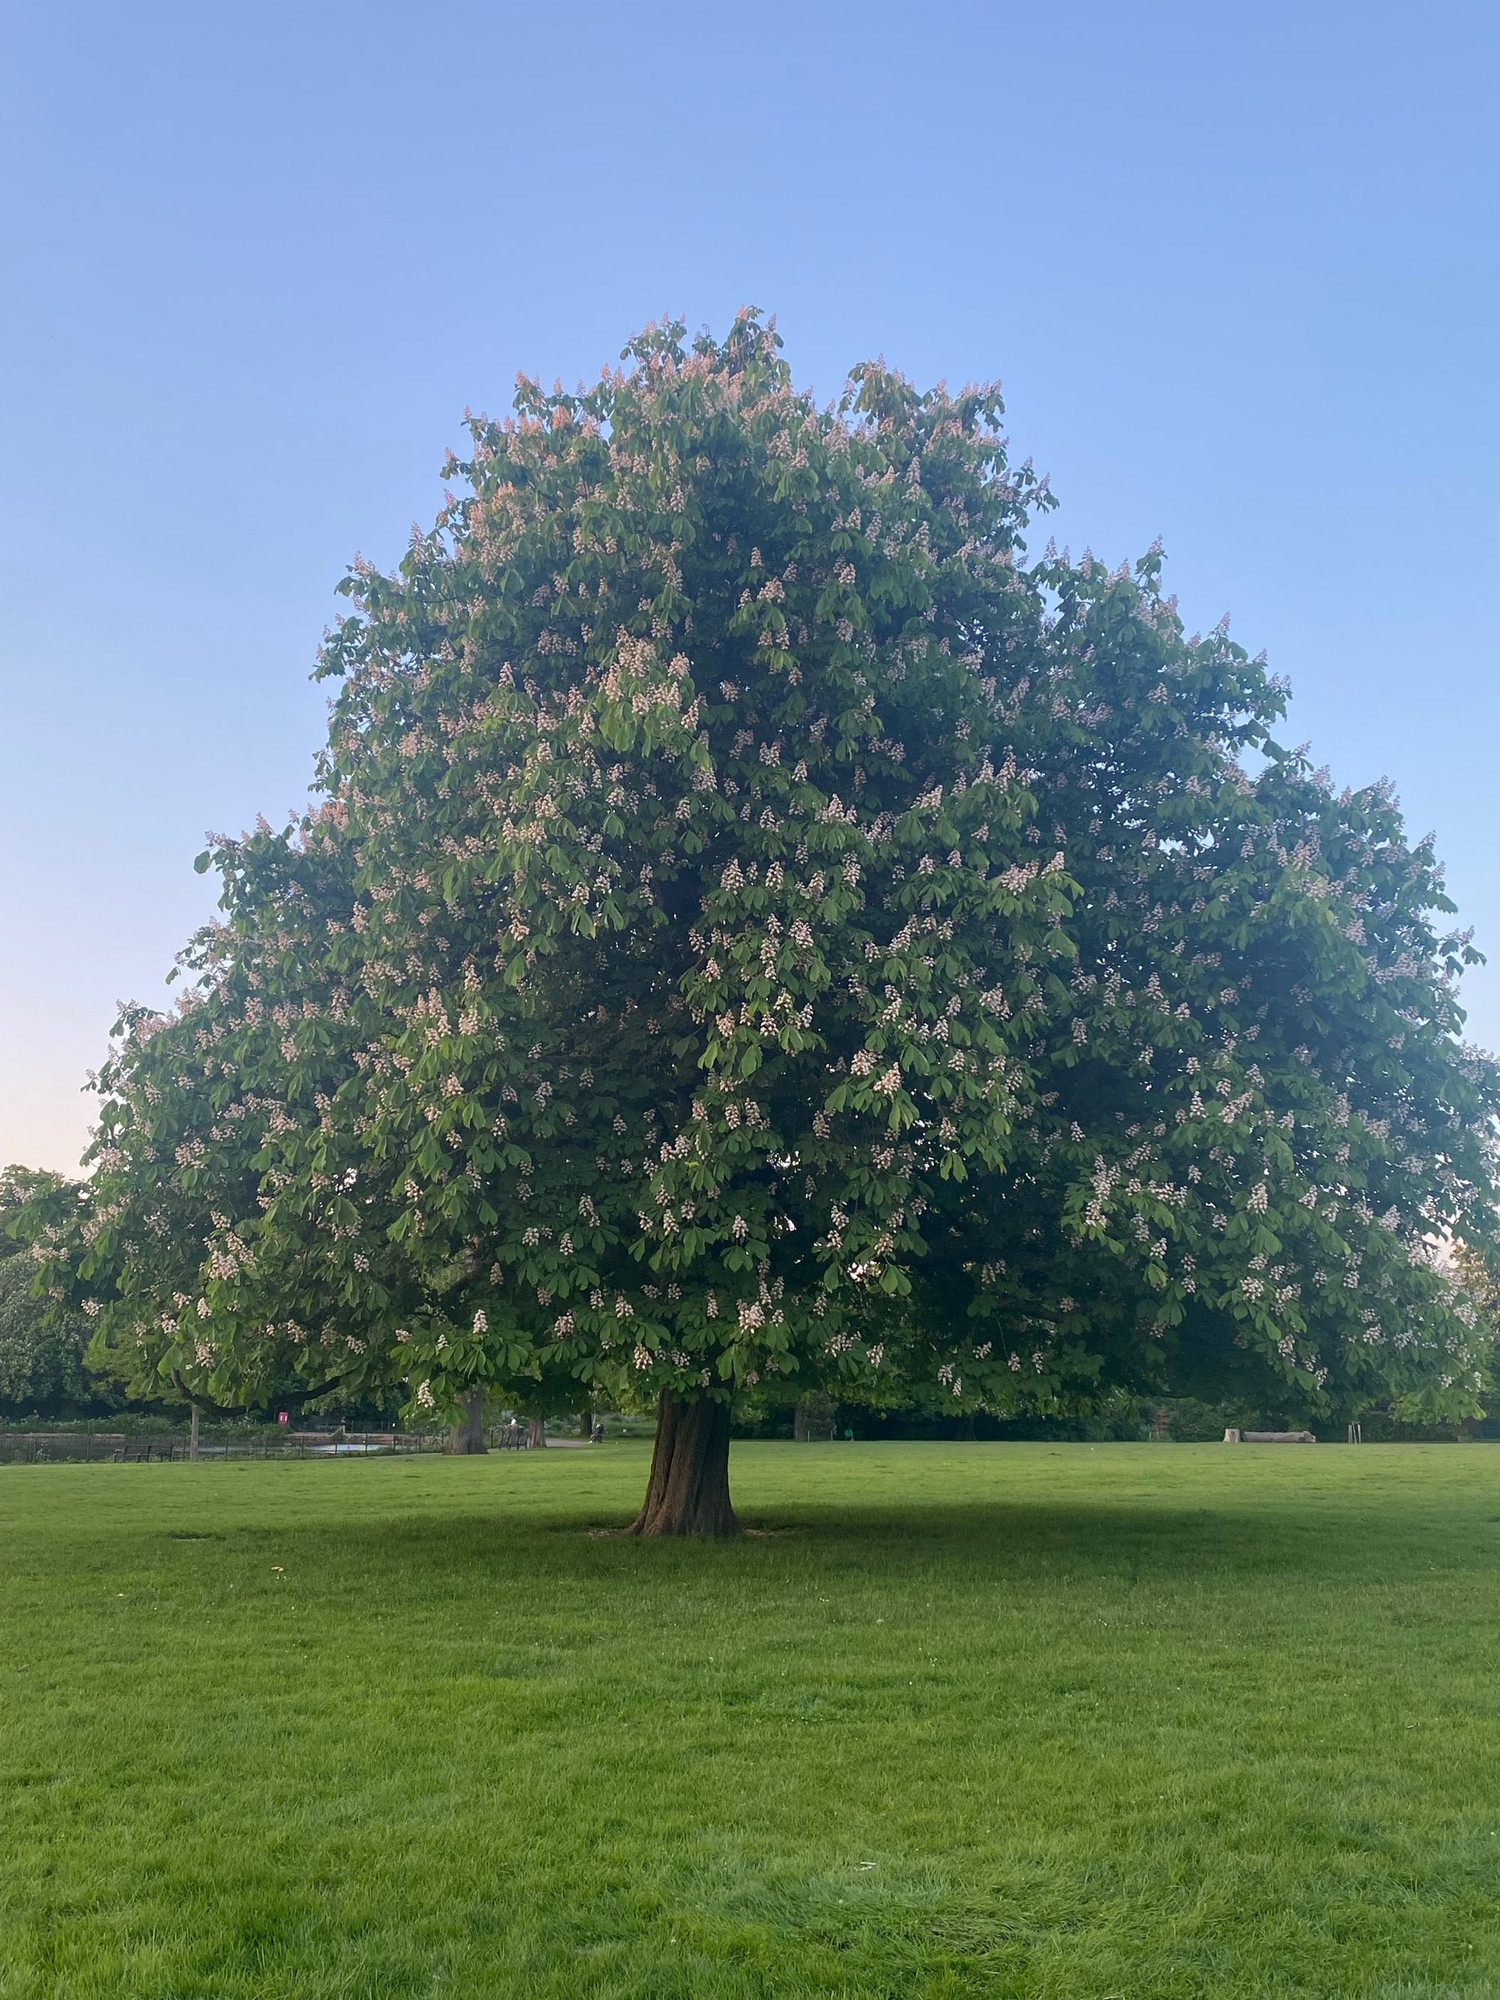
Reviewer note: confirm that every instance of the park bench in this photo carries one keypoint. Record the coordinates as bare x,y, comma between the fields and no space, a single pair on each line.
1269,1437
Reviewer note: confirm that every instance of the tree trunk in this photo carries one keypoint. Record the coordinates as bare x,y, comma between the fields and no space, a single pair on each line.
688,1492
467,1435
193,1434
536,1433
586,1423
813,1418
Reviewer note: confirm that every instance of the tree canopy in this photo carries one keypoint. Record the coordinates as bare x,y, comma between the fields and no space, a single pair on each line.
762,922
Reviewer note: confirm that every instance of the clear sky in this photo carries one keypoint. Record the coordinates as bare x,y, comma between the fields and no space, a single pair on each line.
1236,264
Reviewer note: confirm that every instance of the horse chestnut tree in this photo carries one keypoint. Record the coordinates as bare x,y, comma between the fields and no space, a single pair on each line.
762,926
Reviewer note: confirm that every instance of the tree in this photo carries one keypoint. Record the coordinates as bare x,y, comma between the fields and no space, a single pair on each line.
43,1369
1477,1269
759,925
42,1364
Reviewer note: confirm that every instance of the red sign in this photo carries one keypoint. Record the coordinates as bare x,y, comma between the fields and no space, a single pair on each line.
282,1417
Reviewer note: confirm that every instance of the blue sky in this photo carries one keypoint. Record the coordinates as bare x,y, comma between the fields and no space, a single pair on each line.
1236,265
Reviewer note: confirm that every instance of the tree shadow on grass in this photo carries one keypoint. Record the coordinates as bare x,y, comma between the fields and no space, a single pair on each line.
985,1542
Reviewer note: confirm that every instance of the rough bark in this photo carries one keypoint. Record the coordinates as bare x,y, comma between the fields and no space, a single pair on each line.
586,1423
688,1491
467,1435
536,1433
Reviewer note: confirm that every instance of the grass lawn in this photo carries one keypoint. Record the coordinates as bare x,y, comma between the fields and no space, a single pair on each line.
1067,1721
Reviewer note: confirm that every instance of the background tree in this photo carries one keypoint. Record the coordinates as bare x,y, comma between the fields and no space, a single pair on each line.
1477,1266
43,1366
759,926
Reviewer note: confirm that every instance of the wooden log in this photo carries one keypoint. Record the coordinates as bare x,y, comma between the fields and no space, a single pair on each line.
1278,1437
